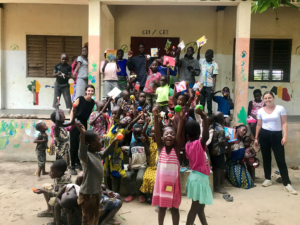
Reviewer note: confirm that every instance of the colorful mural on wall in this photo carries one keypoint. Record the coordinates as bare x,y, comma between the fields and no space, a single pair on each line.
281,93
35,87
14,133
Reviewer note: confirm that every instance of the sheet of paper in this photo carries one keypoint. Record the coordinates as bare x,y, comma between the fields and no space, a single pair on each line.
171,60
230,132
181,45
181,86
168,45
114,92
154,52
201,41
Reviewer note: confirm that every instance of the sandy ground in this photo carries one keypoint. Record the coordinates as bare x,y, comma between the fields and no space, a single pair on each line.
257,206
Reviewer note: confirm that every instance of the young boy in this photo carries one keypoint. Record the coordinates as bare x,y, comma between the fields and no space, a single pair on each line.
141,102
62,72
42,146
125,98
57,172
225,104
163,91
138,153
208,78
217,151
113,164
91,156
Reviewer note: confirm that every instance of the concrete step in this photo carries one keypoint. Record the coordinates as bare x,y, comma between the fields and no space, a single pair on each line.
183,179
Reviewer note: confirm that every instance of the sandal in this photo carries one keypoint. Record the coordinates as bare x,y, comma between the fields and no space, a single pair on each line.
184,169
45,214
228,198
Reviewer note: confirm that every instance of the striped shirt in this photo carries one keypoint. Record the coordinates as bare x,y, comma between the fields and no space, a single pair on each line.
91,163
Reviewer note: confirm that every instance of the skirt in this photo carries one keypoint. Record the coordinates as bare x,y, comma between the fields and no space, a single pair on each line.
122,82
197,188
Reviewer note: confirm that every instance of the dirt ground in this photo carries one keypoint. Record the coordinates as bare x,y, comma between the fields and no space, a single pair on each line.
257,206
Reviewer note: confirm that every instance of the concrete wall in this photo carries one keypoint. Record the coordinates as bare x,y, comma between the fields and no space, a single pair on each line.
34,19
16,137
186,22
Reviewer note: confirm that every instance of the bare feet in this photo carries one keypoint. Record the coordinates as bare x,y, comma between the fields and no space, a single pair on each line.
45,173
46,213
39,178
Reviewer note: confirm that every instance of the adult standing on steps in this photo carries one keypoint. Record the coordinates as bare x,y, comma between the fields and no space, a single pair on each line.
271,121
139,63
83,69
85,105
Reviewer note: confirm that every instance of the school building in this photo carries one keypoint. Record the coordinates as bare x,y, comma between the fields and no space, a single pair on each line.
252,50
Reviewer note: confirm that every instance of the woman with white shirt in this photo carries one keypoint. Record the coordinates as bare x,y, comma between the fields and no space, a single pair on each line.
271,121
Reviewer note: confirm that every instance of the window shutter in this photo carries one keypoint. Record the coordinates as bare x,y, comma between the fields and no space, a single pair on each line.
43,52
35,56
282,57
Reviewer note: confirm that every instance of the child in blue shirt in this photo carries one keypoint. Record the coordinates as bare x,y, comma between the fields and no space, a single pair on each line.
122,75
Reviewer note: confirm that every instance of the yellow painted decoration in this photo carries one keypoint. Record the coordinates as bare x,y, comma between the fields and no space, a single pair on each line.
37,86
279,92
71,89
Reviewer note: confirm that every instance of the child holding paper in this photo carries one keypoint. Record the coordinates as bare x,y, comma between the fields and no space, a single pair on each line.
163,91
109,71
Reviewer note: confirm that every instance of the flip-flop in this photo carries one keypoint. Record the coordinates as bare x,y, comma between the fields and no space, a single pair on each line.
44,214
184,169
277,172
228,198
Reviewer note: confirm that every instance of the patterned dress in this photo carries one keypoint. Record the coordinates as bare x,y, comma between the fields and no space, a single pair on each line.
236,170
150,173
41,149
167,189
256,106
101,124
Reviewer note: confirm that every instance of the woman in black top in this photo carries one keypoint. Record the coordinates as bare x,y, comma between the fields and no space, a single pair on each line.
85,105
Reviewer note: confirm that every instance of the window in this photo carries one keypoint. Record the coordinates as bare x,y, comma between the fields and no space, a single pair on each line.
270,60
43,52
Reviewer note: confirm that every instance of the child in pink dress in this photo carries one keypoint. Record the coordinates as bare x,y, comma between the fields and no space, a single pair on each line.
152,83
167,191
197,186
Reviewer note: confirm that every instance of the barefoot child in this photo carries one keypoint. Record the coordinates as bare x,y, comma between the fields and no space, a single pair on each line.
253,108
197,186
57,173
41,147
91,156
167,190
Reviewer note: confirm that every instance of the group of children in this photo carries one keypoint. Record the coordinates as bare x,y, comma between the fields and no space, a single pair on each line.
158,130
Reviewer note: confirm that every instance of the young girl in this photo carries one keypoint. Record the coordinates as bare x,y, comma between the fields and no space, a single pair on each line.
163,91
167,190
150,173
99,120
197,186
60,133
122,75
253,108
152,82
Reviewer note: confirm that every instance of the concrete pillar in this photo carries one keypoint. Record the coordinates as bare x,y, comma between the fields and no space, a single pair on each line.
1,59
111,26
94,45
219,50
243,21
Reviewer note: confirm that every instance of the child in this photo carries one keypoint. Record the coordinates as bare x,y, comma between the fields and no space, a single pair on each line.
152,83
125,98
122,74
167,189
91,156
99,120
225,104
73,66
41,147
150,173
57,173
62,72
217,151
208,78
253,108
113,164
184,101
138,153
162,69
60,133
163,91
141,102
197,186
249,156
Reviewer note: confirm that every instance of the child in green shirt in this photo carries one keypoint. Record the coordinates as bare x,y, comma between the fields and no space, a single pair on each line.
163,91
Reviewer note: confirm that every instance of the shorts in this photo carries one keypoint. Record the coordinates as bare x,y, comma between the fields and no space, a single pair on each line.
41,157
151,98
109,204
218,161
90,207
